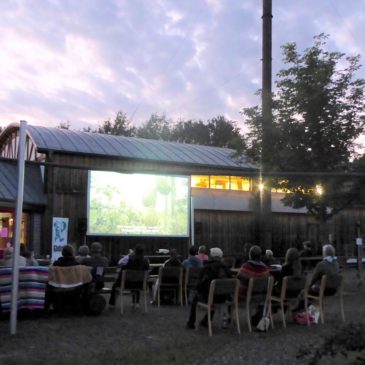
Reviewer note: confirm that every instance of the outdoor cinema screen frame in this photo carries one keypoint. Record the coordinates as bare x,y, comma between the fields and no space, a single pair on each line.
121,204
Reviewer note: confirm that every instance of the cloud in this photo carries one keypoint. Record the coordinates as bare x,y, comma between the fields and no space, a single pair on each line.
82,61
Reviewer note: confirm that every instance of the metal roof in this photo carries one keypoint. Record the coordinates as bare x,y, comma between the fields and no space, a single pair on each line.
70,141
33,185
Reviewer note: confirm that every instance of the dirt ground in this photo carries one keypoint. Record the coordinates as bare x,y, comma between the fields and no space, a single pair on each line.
160,337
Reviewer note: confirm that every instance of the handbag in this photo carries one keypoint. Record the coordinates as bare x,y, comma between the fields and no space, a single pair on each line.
264,322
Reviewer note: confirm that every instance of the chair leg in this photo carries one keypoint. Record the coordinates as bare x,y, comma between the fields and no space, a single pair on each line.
342,309
209,321
158,296
145,300
248,315
121,302
306,311
237,318
283,314
321,312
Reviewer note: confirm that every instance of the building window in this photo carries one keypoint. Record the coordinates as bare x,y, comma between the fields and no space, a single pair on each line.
7,226
221,182
200,181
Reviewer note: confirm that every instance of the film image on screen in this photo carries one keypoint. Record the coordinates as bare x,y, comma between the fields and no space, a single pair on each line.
138,204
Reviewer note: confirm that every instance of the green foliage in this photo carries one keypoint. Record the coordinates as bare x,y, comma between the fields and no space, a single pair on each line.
318,112
121,126
157,127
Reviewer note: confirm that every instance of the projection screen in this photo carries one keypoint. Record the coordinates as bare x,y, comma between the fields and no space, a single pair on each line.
138,204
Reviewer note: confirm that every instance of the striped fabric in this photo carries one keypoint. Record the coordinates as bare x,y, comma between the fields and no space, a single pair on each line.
32,287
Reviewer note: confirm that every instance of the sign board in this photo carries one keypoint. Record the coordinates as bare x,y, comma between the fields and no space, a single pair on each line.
359,241
59,236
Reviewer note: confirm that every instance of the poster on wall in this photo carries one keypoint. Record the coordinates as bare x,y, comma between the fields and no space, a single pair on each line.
59,236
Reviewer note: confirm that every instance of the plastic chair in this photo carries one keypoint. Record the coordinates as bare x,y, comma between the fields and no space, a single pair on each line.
170,279
221,287
291,288
132,281
329,286
192,275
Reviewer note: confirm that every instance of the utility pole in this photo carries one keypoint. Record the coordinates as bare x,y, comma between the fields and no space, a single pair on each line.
265,192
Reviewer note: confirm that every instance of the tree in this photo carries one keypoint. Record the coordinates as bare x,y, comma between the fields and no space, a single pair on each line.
194,132
318,112
64,125
121,126
157,127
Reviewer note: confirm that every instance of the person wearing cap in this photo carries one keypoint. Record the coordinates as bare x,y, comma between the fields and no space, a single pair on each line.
213,269
202,253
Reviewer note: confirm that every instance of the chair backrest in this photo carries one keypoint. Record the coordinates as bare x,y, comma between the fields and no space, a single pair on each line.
331,283
134,279
260,288
222,288
192,275
293,285
170,275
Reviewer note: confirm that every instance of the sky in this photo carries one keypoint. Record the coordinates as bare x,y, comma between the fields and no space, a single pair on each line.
82,61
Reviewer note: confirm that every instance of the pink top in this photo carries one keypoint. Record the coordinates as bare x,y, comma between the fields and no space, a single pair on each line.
202,256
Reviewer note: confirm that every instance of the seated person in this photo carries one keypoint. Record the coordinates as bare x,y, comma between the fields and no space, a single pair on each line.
269,258
327,266
292,266
192,260
97,262
67,258
29,258
83,253
8,258
136,261
213,269
173,260
202,253
253,268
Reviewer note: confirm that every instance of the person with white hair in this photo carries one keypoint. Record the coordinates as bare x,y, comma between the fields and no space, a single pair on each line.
327,266
213,269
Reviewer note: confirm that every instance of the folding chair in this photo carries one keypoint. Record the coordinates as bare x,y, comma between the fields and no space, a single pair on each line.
221,288
330,285
170,279
291,288
132,281
259,290
191,279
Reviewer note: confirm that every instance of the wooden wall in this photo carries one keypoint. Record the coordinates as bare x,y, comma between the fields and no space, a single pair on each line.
66,191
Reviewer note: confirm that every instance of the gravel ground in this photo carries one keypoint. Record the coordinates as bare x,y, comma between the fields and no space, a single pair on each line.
160,337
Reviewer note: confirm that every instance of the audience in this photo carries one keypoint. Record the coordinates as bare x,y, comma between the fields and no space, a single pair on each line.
8,258
192,260
213,269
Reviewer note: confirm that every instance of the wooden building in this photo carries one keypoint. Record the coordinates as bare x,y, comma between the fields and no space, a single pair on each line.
222,191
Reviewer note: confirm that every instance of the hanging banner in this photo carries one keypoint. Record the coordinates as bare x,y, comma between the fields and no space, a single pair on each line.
59,236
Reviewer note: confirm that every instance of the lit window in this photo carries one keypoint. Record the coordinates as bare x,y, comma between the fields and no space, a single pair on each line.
200,181
240,183
219,182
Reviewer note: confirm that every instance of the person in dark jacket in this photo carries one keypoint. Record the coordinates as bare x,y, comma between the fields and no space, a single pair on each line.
67,258
213,269
192,260
136,261
173,260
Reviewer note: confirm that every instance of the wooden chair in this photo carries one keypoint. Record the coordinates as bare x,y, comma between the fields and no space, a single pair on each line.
170,279
110,274
221,287
291,288
191,279
330,285
133,280
259,290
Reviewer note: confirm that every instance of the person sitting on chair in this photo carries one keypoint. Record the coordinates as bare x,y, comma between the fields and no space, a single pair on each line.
192,260
136,261
327,266
97,262
213,269
173,260
83,253
67,258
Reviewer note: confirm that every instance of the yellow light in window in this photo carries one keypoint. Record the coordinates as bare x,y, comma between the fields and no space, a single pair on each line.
200,181
319,189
